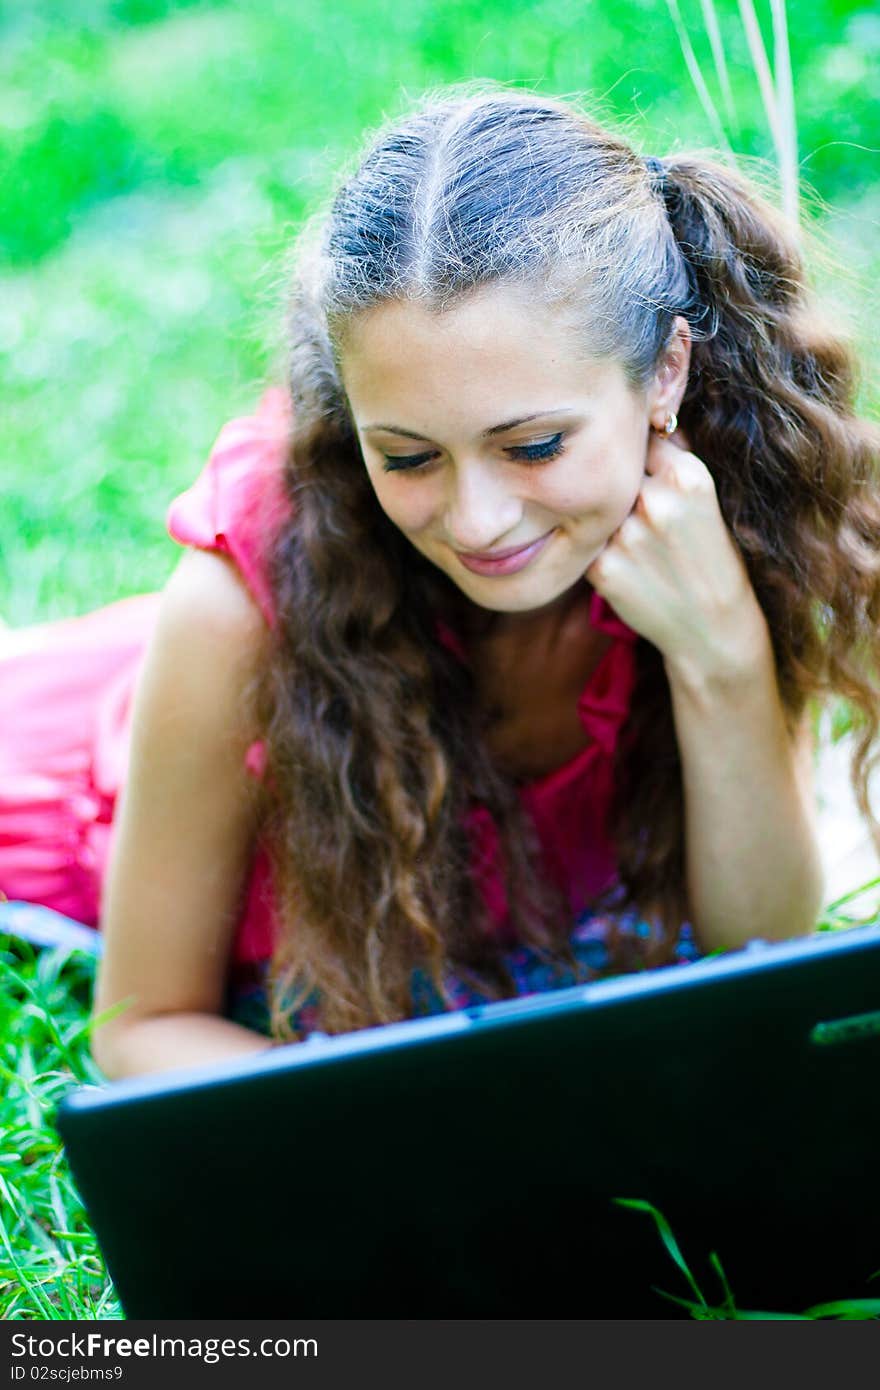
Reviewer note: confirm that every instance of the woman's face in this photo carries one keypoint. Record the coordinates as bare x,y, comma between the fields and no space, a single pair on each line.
441,407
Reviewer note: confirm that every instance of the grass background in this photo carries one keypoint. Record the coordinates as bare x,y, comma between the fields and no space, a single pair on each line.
154,158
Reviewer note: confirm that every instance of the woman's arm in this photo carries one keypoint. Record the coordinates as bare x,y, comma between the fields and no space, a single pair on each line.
167,1041
184,832
674,573
752,855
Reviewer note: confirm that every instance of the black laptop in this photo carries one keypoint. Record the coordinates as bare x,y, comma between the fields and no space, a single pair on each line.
467,1165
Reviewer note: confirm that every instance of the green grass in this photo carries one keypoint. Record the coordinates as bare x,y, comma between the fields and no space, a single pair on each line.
702,1310
155,156
50,1264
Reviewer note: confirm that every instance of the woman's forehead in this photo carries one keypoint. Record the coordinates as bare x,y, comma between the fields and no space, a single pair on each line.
477,316
500,345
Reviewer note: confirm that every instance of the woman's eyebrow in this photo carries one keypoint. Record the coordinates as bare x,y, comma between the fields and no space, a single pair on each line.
486,434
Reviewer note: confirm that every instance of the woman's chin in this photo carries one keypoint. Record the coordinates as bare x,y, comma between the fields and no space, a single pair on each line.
529,600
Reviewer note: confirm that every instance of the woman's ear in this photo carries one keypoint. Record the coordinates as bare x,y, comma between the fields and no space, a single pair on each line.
671,375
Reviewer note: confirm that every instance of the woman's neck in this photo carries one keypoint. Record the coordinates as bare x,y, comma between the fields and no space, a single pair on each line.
536,625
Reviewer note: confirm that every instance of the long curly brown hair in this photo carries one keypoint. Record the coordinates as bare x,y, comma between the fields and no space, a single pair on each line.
374,736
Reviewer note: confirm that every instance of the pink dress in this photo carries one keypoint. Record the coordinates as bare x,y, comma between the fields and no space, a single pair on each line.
65,709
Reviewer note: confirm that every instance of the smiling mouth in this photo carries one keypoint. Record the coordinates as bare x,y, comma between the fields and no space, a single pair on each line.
508,561
500,554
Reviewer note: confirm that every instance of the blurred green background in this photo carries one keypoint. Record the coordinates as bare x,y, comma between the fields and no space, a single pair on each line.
155,156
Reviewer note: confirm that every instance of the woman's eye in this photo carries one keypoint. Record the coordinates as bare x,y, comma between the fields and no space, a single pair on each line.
547,449
392,465
529,453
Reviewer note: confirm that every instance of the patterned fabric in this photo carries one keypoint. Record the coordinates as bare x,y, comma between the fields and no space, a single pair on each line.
247,1002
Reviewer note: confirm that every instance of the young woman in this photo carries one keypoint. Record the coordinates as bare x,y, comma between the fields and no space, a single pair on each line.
488,666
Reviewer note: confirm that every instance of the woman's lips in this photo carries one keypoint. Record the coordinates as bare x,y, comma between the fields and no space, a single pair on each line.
505,564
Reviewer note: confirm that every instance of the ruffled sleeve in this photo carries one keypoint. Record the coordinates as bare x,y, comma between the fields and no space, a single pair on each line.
234,506
237,501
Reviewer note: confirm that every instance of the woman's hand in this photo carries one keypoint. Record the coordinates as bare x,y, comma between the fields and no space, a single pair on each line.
673,573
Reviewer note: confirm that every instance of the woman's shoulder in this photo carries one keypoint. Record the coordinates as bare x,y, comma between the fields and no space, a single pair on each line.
238,501
210,588
210,623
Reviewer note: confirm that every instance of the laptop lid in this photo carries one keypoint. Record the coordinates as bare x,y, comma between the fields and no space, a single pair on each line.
466,1165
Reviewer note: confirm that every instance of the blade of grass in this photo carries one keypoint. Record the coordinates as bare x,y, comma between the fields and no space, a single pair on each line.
848,1309
27,1073
60,1216
665,1232
32,1289
697,78
713,30
701,1312
748,1316
788,158
761,65
853,893
729,1304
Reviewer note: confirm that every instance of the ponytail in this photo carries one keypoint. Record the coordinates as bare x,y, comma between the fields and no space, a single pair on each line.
769,408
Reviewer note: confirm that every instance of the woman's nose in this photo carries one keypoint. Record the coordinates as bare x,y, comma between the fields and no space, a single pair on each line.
480,511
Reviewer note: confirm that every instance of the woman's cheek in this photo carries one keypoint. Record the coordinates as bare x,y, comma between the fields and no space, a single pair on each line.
410,513
589,496
622,490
